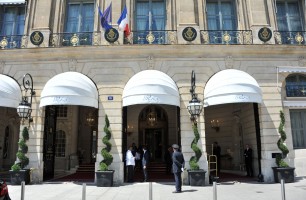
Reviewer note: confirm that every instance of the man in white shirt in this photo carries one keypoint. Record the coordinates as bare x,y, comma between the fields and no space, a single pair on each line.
130,163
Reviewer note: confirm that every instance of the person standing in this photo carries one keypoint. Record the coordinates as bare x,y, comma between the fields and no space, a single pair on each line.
217,153
130,163
145,163
177,167
248,158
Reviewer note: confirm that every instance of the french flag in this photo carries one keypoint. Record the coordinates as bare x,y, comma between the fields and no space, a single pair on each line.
123,22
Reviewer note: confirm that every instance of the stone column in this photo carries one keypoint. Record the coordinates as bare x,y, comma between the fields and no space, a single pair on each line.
40,20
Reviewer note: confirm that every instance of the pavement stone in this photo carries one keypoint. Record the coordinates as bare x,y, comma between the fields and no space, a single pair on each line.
161,191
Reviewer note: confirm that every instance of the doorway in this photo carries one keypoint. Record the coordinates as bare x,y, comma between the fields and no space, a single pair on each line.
155,143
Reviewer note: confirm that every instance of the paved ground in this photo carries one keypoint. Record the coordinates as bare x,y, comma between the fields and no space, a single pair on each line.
161,191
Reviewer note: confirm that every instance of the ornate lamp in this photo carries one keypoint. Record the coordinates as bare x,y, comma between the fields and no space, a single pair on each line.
24,109
195,106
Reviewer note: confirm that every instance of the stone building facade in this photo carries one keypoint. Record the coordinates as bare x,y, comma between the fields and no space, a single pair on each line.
246,72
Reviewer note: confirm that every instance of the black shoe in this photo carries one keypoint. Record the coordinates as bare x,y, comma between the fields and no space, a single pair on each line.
177,191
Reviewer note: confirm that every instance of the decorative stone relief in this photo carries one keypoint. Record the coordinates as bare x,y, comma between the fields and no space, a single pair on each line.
205,37
151,62
96,38
72,64
24,41
172,37
229,62
302,61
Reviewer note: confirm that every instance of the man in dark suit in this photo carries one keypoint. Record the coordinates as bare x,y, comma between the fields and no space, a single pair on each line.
248,157
177,167
145,162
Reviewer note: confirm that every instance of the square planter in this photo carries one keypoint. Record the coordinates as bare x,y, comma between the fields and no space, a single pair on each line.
105,178
285,173
196,177
18,176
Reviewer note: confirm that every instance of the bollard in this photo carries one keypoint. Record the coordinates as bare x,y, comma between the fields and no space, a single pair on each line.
214,190
22,190
84,192
150,191
283,189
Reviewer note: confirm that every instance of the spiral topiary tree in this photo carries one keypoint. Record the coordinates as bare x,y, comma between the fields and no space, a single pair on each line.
23,149
107,157
193,162
280,143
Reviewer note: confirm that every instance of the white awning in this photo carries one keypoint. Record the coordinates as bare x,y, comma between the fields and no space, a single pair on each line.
291,69
12,1
10,93
151,87
70,88
231,86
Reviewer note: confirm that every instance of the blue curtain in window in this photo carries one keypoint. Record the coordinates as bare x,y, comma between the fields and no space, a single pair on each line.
288,16
80,18
221,15
157,10
12,20
72,23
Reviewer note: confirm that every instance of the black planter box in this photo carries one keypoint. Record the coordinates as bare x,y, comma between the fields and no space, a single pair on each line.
196,177
18,176
285,173
105,178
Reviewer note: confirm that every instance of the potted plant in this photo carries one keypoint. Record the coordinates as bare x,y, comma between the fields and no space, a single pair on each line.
282,171
18,173
196,176
104,175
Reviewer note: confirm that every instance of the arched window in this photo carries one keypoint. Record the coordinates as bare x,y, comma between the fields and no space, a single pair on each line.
60,143
296,85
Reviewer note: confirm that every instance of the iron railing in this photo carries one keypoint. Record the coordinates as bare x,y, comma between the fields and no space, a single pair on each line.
71,39
10,41
290,37
296,90
152,37
226,37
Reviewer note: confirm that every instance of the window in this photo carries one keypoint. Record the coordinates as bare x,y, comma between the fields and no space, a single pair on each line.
296,85
61,111
221,15
298,127
12,19
150,15
60,143
80,17
289,17
79,23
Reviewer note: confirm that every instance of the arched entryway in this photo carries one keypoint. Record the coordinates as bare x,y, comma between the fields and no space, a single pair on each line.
151,116
10,97
70,101
231,100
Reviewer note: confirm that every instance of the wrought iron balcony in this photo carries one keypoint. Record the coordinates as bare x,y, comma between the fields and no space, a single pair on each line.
296,90
226,37
290,37
71,39
152,37
10,41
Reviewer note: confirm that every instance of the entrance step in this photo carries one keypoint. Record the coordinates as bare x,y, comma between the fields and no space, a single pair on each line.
157,167
86,168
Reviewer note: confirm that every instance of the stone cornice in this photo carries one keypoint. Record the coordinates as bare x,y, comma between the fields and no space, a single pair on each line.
129,52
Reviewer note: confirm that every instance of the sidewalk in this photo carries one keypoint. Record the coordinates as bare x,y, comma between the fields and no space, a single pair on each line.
161,191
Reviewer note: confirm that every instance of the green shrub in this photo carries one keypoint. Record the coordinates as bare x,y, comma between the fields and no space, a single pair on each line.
280,143
107,157
23,149
193,162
